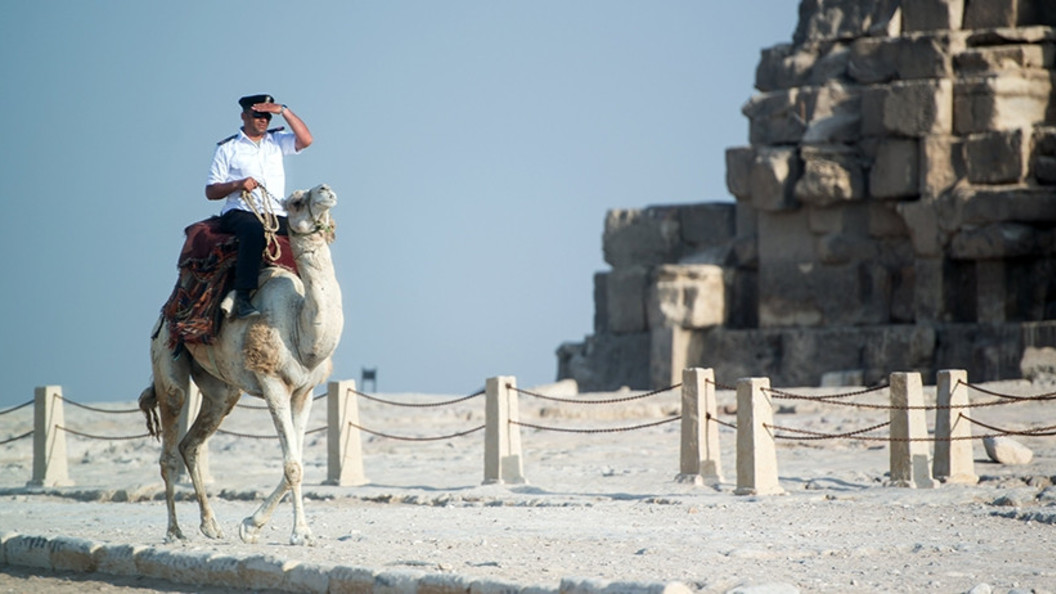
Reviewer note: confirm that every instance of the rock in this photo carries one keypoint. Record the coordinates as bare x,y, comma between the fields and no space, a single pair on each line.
983,588
1005,450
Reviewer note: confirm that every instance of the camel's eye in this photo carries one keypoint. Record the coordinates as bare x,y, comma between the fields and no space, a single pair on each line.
297,204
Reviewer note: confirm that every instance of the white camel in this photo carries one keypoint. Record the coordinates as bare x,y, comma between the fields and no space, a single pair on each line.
279,356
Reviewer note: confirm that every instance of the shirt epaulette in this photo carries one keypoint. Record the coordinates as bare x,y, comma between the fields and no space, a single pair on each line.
273,130
228,139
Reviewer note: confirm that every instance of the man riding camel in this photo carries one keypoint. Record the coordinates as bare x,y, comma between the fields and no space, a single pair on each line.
248,172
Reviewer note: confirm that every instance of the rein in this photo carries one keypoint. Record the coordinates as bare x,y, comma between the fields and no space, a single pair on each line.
268,219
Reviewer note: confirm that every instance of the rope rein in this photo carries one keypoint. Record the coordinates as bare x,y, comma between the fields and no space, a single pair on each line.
268,219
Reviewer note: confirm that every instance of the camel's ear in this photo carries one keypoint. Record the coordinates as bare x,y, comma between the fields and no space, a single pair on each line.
294,197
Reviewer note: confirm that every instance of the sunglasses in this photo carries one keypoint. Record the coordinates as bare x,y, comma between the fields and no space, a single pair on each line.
260,115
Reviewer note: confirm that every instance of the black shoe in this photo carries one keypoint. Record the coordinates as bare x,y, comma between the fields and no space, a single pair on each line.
243,307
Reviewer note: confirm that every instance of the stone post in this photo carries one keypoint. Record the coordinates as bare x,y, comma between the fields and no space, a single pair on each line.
910,465
49,442
954,461
756,452
344,440
502,439
191,405
700,462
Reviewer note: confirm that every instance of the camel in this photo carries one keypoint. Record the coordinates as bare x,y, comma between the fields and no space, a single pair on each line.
280,356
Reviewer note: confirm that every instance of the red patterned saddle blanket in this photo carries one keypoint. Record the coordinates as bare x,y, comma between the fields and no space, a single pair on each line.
207,270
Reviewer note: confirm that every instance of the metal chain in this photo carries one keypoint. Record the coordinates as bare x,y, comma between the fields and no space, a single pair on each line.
14,408
265,407
16,438
1040,397
404,438
99,410
613,430
250,436
416,405
601,401
780,394
103,437
815,435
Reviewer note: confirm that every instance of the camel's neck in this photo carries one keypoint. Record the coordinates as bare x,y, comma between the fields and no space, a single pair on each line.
320,320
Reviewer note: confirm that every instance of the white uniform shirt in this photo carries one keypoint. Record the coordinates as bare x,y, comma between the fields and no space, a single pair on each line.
240,158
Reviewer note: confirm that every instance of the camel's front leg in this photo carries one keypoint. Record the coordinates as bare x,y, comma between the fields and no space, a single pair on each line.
289,415
168,392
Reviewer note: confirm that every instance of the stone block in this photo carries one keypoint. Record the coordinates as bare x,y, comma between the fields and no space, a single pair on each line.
932,15
813,295
351,580
1006,450
996,241
830,64
773,178
844,248
739,162
851,218
885,221
607,362
687,296
908,108
991,14
1045,169
782,67
845,19
941,164
994,59
929,295
708,224
637,237
778,117
1043,162
601,302
625,299
785,236
922,220
830,175
896,170
27,550
73,554
1000,157
836,115
874,60
927,56
1002,101
985,206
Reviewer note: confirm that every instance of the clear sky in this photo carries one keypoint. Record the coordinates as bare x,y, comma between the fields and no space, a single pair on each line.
474,146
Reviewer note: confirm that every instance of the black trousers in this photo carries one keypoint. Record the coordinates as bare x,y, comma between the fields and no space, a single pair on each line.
250,233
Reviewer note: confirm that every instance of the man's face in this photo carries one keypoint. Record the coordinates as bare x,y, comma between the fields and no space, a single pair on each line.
255,122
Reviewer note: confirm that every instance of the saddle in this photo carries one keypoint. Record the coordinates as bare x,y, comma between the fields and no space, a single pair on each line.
207,271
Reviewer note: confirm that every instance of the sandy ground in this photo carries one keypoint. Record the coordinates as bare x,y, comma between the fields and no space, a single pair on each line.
598,505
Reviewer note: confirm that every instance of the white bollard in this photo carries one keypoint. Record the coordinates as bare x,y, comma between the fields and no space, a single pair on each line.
49,442
192,404
503,462
344,441
910,463
700,462
954,461
756,452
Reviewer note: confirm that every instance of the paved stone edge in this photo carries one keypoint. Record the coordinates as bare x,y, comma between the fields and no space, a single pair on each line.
258,572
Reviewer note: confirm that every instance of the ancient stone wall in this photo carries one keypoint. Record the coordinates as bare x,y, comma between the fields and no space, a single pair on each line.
898,193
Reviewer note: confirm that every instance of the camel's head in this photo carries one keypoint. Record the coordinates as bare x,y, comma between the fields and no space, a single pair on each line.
308,212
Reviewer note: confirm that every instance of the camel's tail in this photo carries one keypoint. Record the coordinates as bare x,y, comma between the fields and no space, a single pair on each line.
148,403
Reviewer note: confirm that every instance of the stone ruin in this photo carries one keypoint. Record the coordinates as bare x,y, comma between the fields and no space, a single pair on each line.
894,211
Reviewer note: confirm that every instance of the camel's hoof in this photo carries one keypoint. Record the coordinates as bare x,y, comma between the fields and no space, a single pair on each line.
212,530
248,531
174,536
302,540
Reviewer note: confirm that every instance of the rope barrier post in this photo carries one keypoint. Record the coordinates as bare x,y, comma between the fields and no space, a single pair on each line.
954,461
503,462
910,464
191,405
756,451
49,441
699,462
344,441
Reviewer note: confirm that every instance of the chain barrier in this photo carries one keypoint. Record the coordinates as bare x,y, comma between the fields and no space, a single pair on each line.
611,430
416,404
14,408
1039,432
16,438
601,401
780,394
720,421
815,435
265,407
99,410
1039,398
405,438
102,437
251,436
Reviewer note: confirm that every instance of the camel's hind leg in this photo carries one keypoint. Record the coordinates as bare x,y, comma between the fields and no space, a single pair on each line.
218,399
290,415
168,392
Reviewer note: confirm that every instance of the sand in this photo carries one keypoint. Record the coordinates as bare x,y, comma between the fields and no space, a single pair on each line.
604,506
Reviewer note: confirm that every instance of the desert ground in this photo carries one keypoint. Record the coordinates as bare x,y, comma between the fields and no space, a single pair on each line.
603,506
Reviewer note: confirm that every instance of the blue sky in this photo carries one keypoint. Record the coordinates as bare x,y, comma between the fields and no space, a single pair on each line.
474,146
